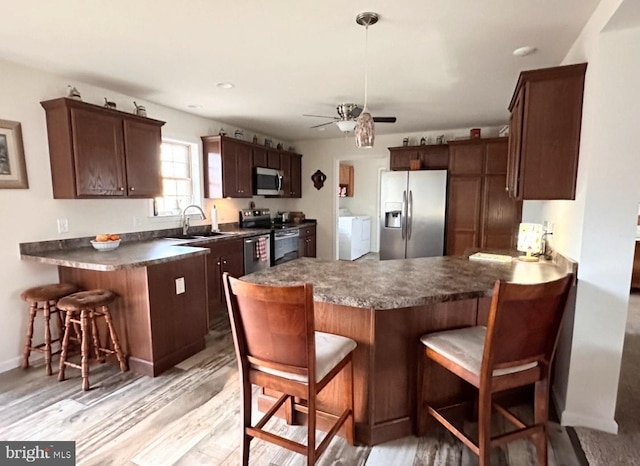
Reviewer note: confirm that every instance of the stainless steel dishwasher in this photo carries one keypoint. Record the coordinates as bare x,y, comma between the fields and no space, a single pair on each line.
257,253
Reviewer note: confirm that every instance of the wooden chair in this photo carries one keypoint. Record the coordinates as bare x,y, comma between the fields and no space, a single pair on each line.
515,349
277,348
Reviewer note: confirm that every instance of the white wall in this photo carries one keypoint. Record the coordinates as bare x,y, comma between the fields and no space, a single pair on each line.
598,228
30,214
325,155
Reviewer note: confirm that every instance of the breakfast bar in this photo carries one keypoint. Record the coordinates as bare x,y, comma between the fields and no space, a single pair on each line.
160,314
385,306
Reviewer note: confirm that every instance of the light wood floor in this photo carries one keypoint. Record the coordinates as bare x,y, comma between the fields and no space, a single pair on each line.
190,416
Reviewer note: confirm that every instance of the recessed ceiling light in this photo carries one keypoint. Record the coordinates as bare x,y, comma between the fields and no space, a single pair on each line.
225,85
194,106
524,51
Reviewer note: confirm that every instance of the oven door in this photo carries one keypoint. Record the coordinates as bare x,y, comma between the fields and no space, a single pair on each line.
285,246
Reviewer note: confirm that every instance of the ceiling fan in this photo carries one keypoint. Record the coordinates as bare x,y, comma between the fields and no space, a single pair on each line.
347,116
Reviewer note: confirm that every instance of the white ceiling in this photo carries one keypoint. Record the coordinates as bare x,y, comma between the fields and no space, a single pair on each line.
433,64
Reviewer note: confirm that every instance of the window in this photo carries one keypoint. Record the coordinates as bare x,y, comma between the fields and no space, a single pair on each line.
177,179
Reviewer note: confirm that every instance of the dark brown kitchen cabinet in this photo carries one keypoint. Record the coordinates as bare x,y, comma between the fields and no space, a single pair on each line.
544,135
431,157
224,256
635,276
157,324
307,241
228,167
291,167
97,152
296,175
273,159
259,157
480,213
263,157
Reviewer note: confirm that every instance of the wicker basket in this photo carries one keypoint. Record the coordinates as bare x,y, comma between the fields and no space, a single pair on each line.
296,217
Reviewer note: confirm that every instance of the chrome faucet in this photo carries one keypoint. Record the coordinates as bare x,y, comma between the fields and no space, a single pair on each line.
185,219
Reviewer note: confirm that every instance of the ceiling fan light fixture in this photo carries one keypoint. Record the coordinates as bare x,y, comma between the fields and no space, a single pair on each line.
346,126
364,131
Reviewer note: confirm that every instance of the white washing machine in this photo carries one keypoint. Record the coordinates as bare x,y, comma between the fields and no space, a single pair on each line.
354,236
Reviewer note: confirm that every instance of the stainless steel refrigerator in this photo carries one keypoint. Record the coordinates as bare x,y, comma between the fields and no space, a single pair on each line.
412,213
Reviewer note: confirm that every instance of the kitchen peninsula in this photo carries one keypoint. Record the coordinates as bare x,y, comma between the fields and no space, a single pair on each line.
385,306
160,313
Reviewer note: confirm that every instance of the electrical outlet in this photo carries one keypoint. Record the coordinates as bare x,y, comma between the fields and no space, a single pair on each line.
180,285
63,225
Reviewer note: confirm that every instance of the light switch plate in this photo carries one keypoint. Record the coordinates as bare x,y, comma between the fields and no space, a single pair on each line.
180,285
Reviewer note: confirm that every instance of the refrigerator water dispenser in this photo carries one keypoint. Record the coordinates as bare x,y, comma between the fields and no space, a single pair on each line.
393,219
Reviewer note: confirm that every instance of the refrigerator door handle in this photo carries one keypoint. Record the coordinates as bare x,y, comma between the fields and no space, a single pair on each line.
403,212
410,215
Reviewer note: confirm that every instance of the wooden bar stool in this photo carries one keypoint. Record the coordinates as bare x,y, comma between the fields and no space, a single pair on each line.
515,349
278,348
83,308
44,298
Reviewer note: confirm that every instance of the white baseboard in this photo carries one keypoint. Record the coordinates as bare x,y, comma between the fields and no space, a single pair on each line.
569,418
35,359
10,364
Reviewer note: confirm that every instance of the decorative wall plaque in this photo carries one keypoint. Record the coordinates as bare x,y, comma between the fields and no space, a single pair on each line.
318,179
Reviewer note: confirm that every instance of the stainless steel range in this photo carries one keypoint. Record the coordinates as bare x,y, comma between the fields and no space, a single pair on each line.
284,237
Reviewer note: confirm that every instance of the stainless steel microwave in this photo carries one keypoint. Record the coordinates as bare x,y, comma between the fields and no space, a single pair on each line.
267,182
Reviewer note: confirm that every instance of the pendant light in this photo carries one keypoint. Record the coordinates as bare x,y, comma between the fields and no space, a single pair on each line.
364,124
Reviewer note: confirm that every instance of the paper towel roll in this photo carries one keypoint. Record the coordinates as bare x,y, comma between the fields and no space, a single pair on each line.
214,219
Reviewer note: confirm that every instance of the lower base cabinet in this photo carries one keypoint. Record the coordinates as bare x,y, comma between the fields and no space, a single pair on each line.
307,242
158,326
385,365
635,276
224,256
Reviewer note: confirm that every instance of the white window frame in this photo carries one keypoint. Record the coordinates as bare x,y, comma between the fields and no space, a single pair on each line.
196,185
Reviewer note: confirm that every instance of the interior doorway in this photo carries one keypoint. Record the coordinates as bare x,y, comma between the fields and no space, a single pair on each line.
360,197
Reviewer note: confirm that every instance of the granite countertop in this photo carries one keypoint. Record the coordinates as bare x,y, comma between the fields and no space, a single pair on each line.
135,250
126,256
139,249
394,284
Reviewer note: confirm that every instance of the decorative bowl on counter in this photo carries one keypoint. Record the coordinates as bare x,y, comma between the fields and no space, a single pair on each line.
105,245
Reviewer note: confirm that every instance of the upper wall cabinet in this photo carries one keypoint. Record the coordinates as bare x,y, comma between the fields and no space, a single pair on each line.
97,152
228,167
427,157
291,168
346,180
544,139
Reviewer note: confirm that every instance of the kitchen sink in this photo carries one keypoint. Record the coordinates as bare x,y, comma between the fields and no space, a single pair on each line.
215,233
209,234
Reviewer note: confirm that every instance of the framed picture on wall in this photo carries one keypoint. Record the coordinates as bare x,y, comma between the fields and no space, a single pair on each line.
13,169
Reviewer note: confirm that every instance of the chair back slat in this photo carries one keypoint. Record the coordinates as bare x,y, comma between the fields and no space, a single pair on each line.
524,323
275,332
272,324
